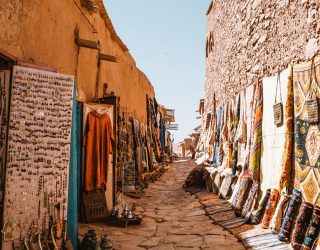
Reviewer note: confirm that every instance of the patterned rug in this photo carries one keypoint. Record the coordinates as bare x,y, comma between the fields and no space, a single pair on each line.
266,241
307,136
233,223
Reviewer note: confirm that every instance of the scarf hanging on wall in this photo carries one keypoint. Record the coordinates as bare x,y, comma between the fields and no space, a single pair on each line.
221,153
248,105
271,207
262,207
287,163
241,134
255,154
313,231
301,225
278,215
217,135
236,119
288,221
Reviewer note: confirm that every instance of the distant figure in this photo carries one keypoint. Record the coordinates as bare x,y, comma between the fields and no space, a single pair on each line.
192,149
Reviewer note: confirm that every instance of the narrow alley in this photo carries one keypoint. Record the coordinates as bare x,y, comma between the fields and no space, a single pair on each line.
172,219
159,125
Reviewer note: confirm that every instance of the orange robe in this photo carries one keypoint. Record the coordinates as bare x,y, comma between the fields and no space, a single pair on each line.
98,141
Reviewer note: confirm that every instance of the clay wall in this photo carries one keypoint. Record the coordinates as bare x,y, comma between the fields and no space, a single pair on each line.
42,32
256,38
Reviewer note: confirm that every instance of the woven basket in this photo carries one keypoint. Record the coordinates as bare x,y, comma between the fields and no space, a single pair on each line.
313,109
278,114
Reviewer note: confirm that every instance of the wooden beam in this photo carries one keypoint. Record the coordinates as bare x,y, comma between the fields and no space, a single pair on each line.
7,56
87,44
109,58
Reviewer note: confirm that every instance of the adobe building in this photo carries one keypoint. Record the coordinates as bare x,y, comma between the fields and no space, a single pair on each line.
61,43
75,38
248,39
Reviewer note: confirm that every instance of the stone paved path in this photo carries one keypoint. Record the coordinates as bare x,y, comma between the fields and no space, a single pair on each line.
172,219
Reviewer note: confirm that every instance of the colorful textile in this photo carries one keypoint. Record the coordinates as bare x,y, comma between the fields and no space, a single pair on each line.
273,140
301,225
226,183
245,187
234,161
233,223
313,231
236,119
250,201
244,137
241,134
216,183
236,192
265,241
287,162
255,152
221,153
261,209
217,135
271,207
307,136
254,155
278,215
288,221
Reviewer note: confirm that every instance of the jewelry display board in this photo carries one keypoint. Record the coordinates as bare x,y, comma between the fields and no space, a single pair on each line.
38,151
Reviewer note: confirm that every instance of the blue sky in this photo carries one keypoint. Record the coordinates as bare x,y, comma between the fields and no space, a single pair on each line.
167,40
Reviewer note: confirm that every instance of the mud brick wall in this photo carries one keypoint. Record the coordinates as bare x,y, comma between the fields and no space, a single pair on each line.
256,38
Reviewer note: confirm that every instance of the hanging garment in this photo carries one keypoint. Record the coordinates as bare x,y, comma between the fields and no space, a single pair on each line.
98,142
271,207
288,221
313,230
301,225
307,135
261,209
278,215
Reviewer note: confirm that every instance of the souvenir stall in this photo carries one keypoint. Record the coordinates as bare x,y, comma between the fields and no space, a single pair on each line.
99,158
38,158
141,149
265,160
